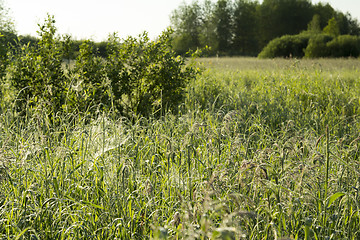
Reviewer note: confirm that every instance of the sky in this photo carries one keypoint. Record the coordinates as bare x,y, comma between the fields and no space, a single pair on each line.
94,19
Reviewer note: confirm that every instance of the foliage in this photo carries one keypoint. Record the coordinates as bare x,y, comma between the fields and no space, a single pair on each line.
6,22
314,25
138,76
89,88
208,28
183,44
7,37
37,74
187,21
222,17
317,46
6,40
146,76
327,46
27,39
245,27
281,17
286,46
344,46
332,28
312,44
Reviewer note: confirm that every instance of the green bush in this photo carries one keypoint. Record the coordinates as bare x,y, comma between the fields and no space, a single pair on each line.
146,76
183,43
317,47
88,90
344,46
27,39
312,46
6,39
286,46
138,76
37,74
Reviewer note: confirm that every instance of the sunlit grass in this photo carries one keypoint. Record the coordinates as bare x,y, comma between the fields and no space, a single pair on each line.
256,153
278,64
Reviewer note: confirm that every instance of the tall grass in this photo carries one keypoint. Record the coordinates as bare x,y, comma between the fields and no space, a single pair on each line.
254,154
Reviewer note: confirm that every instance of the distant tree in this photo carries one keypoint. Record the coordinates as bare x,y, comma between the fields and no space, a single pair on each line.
325,11
346,24
208,27
222,16
314,25
280,17
332,28
353,25
245,28
186,21
27,39
7,36
6,22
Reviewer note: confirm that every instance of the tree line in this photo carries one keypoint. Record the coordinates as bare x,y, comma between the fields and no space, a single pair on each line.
243,27
228,27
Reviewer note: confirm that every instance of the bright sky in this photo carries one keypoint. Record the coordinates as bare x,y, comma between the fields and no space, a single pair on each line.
96,19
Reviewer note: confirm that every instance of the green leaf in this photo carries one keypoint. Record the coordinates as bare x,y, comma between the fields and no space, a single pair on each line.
92,204
333,197
22,233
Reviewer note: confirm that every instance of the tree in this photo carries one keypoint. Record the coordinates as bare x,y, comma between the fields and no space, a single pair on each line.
222,16
314,25
186,21
353,25
37,74
325,11
88,75
208,27
346,24
245,28
146,77
281,17
7,35
332,28
317,46
6,23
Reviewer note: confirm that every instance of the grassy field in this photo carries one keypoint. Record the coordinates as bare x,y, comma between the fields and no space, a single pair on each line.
236,64
261,149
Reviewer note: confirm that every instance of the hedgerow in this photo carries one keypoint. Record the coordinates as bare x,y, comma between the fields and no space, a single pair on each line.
286,46
137,77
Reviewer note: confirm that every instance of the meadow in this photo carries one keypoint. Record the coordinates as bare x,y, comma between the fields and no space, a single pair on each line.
260,149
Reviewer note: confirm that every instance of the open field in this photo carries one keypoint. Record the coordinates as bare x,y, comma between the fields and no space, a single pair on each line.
261,149
235,63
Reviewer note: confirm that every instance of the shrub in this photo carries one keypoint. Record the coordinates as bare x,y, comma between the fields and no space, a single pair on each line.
332,28
344,46
286,46
183,43
27,39
138,77
6,39
88,90
146,76
101,49
317,46
36,73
